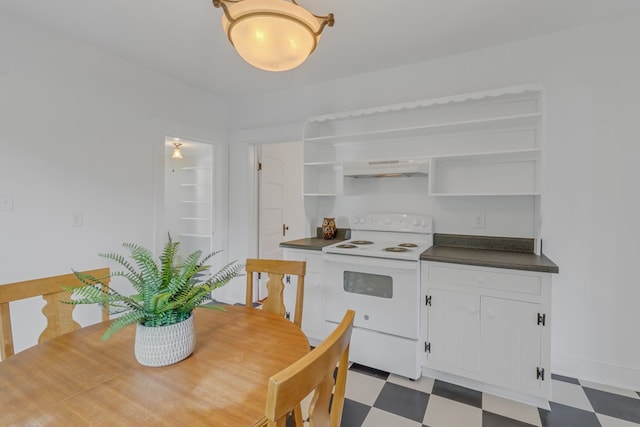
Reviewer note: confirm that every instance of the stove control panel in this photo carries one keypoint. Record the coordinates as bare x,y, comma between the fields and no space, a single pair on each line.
407,223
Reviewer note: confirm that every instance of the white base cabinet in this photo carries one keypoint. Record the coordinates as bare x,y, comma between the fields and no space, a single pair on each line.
488,328
312,315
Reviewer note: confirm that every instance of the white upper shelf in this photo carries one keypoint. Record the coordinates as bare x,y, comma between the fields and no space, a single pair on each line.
474,96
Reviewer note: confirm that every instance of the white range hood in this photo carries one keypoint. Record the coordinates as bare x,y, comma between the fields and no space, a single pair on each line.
386,168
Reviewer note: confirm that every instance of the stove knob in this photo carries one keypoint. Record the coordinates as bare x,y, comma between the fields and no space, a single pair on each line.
363,220
416,222
423,222
355,220
387,221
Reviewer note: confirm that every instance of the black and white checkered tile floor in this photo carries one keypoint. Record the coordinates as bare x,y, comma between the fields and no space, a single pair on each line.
378,399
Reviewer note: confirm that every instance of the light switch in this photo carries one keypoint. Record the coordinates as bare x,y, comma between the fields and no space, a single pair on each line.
76,219
479,220
6,202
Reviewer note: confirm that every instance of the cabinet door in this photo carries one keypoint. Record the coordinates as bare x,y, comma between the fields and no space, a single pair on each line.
453,321
289,296
510,350
312,317
312,308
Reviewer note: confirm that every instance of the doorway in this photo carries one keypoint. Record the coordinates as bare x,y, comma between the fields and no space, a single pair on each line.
190,196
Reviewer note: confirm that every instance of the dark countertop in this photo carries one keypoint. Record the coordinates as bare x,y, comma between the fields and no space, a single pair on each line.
483,251
318,242
310,243
490,258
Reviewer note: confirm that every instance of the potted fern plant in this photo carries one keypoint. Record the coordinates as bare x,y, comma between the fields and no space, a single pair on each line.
167,292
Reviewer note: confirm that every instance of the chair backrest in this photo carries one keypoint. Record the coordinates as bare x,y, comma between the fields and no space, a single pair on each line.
276,269
59,316
314,372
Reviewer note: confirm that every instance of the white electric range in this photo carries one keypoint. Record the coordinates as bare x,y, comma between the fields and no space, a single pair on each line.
377,274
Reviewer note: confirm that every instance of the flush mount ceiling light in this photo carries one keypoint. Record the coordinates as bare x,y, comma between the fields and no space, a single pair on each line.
177,154
273,35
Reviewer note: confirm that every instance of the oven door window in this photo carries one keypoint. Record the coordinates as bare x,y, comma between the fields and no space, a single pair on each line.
374,285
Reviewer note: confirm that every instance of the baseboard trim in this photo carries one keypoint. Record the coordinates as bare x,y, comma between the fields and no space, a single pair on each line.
596,371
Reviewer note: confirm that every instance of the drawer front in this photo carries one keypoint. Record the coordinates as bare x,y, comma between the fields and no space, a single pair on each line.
486,278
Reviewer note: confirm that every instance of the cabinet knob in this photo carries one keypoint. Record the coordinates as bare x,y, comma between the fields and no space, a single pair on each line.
366,317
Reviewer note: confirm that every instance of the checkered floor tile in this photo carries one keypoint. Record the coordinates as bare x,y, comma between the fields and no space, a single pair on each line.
378,399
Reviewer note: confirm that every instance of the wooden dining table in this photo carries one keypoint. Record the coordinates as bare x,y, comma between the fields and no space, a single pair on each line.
79,380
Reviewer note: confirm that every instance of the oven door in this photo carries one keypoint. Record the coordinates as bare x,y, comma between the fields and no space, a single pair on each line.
383,292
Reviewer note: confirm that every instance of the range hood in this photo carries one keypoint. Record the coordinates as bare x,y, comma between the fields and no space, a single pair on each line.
386,168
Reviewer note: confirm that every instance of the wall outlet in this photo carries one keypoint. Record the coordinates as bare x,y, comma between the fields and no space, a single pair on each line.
6,202
479,220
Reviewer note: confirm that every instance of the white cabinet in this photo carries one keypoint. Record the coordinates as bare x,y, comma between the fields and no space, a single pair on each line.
488,328
312,316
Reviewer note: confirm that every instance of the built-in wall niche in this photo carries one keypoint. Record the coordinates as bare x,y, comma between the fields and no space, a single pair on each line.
189,195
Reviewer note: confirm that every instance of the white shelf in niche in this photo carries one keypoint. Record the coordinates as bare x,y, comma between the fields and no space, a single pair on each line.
507,173
186,218
203,236
320,164
193,168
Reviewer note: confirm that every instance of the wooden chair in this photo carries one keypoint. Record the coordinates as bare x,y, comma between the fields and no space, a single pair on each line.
276,269
314,372
59,316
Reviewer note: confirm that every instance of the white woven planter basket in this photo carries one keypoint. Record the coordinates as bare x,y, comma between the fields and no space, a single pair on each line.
164,345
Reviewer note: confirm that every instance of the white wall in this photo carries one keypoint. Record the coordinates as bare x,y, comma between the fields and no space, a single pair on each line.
82,131
590,205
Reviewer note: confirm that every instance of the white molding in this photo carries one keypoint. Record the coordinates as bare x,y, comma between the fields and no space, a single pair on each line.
596,371
493,93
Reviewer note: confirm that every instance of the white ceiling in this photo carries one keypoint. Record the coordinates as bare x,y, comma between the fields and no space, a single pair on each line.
183,38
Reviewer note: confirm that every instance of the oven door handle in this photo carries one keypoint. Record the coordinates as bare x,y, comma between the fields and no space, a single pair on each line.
351,260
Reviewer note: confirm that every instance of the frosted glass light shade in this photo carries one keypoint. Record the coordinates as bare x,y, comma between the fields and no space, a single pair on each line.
273,35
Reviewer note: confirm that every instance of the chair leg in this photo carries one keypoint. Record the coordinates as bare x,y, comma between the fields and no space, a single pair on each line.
297,416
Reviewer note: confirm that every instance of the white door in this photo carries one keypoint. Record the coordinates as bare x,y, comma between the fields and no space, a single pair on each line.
280,202
453,331
510,345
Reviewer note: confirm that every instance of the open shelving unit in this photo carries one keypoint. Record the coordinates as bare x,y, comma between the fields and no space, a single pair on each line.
196,203
508,173
481,143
